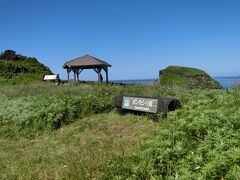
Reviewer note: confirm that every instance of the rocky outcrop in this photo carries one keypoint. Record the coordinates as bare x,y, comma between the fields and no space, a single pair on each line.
187,77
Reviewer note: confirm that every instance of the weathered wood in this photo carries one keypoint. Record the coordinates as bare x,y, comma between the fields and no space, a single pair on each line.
74,76
106,74
99,74
146,104
95,70
68,74
106,71
81,71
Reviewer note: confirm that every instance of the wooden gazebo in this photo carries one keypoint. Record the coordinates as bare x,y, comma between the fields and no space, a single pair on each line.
86,62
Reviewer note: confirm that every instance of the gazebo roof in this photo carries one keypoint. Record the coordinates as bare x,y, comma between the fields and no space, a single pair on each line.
86,61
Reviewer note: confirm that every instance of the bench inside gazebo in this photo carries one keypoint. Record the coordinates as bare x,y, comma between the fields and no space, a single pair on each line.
86,62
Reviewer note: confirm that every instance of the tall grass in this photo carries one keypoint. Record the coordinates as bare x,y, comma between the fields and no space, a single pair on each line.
51,108
199,141
81,150
44,106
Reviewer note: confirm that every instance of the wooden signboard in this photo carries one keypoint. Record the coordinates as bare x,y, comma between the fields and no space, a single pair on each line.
146,104
140,104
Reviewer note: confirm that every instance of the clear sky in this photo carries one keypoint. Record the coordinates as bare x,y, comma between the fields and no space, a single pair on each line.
138,37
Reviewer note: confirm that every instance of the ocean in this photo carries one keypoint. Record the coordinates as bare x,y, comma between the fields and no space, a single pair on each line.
225,81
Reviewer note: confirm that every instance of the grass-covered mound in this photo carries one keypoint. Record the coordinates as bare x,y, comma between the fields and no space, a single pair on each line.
15,68
187,77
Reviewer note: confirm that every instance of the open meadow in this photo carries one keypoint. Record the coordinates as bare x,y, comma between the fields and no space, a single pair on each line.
73,131
120,90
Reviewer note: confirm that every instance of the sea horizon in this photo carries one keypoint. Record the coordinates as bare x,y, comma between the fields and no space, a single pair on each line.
225,81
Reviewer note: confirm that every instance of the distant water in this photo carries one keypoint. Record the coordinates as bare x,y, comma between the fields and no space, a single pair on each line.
138,81
228,81
225,81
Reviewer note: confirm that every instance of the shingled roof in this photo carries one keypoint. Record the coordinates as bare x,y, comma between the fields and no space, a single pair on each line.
86,61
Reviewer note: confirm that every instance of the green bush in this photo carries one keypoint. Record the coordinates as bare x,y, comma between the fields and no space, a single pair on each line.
46,106
199,141
50,112
18,69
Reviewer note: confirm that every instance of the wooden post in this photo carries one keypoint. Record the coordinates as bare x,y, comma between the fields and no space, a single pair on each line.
74,71
99,74
106,74
106,71
77,72
68,74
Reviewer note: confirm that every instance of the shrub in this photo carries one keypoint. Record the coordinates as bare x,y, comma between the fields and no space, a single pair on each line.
50,112
199,141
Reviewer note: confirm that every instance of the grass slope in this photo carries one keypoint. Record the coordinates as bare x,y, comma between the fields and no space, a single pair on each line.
82,150
72,131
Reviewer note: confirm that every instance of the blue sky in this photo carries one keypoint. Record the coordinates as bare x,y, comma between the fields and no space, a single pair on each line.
138,37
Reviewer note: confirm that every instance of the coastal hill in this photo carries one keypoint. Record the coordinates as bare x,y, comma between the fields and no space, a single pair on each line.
15,68
75,132
187,77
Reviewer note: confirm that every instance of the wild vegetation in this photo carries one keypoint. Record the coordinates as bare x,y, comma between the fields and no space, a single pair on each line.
201,141
187,77
72,131
16,68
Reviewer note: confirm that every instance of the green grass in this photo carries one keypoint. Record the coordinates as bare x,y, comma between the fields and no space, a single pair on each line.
24,71
82,150
174,80
185,71
39,107
199,141
187,78
73,132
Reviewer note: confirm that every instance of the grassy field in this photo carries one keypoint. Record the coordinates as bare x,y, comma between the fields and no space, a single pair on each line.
73,132
82,150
